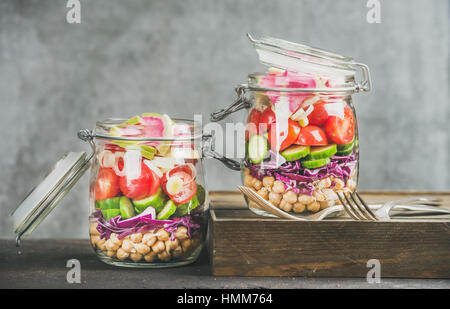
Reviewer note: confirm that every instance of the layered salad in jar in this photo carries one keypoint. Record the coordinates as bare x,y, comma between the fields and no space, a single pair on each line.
302,147
148,197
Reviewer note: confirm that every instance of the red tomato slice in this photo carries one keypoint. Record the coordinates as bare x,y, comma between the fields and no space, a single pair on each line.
293,132
107,184
266,120
187,190
251,127
312,135
319,114
341,131
145,185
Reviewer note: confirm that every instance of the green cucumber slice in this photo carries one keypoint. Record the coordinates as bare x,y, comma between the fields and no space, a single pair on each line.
295,152
156,201
322,152
345,153
257,149
315,163
126,208
108,214
345,147
168,210
110,203
186,208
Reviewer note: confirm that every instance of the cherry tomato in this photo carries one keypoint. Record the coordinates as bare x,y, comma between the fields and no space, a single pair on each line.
292,135
341,131
312,135
107,184
251,127
187,185
319,114
144,185
266,120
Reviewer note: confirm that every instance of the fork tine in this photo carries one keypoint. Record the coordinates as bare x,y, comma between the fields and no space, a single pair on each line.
356,210
347,209
365,208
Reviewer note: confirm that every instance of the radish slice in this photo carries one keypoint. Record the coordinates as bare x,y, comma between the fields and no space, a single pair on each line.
106,158
119,155
154,168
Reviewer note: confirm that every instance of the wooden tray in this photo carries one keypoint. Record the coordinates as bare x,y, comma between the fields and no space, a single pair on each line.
245,244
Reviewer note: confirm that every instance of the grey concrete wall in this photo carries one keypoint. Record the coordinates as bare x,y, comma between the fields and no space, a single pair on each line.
185,57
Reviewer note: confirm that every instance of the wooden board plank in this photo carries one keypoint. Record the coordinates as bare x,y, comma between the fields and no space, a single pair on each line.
245,244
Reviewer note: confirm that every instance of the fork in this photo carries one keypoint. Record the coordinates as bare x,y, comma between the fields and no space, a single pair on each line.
358,209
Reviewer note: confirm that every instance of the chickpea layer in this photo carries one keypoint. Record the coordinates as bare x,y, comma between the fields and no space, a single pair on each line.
148,247
275,192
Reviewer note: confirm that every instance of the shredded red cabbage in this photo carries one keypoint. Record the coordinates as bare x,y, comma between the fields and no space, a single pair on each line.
299,179
143,224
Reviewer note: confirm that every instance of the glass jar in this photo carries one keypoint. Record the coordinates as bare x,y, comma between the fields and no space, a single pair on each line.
147,196
301,136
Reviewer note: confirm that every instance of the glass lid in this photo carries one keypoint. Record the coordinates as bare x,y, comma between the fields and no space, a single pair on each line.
45,196
305,60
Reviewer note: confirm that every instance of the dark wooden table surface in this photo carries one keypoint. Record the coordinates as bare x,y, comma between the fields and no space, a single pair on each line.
43,265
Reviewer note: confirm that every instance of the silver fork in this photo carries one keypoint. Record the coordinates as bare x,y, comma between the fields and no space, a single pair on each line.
358,209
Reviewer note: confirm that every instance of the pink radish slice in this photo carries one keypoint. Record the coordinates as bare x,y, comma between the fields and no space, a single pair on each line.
153,126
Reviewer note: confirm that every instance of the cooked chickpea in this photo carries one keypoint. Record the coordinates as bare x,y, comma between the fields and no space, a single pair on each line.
290,197
158,246
94,239
264,193
299,207
122,254
351,184
142,249
326,204
162,234
135,256
181,232
324,183
101,244
150,257
313,207
93,229
115,239
164,256
257,184
338,184
178,251
186,244
278,186
149,239
268,182
275,198
305,199
172,244
136,238
319,196
287,207
246,171
248,181
128,246
330,195
111,246
111,253
253,204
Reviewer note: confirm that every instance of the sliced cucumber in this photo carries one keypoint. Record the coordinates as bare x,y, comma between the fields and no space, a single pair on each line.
315,163
156,201
126,208
322,152
108,214
295,152
186,208
257,148
345,153
168,210
345,147
110,203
